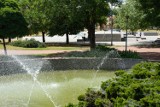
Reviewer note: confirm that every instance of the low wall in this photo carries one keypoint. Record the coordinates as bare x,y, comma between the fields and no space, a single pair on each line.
51,64
107,37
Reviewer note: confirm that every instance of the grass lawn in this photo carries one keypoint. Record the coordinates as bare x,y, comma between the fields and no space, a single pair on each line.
9,47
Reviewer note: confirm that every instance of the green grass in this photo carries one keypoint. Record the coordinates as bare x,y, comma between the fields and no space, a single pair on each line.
9,47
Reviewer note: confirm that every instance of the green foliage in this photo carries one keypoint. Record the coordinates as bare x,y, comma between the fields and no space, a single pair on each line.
81,98
70,105
35,12
91,12
102,51
63,18
120,72
63,15
136,16
93,98
104,48
129,54
12,22
32,43
139,87
152,11
99,51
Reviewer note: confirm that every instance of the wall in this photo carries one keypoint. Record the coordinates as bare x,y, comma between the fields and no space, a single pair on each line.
107,37
51,64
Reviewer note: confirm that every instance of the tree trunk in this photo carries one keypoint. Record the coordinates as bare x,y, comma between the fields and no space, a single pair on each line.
140,34
91,35
67,38
133,33
4,46
9,40
43,37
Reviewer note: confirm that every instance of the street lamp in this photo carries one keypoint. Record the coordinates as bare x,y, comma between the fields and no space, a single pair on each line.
111,30
111,19
127,17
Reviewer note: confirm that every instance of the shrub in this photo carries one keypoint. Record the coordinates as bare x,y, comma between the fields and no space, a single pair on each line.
103,51
104,48
17,43
126,90
32,43
129,54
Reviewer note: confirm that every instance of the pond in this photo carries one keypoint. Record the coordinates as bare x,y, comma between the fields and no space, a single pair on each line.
56,88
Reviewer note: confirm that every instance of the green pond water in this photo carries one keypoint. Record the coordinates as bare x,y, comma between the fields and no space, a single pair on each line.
52,88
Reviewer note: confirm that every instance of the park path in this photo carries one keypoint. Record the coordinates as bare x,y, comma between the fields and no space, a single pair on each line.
146,53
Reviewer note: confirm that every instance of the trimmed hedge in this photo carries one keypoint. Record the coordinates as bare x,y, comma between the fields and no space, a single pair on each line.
32,43
103,51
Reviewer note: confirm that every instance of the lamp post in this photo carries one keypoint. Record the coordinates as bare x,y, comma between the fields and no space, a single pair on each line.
111,19
111,30
127,17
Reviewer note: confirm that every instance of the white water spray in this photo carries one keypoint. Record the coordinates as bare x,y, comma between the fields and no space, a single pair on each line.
33,70
109,54
30,94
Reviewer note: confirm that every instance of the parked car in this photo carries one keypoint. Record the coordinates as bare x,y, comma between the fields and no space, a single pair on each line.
156,42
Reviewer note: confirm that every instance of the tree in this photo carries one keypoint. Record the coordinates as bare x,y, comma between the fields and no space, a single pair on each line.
129,17
12,22
91,12
136,16
64,19
35,12
152,11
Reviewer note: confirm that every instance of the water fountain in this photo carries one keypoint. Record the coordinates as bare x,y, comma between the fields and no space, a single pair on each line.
50,89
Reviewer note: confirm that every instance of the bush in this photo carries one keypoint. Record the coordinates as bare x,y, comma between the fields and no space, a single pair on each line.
139,87
104,48
103,51
129,54
32,43
17,43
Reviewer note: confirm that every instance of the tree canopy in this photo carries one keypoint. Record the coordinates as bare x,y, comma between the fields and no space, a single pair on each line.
135,20
64,19
91,12
152,10
35,12
12,22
